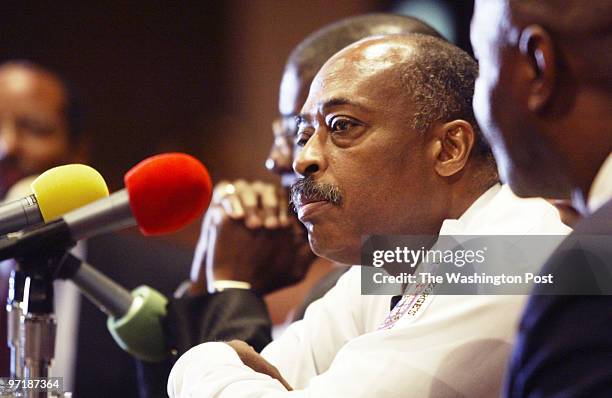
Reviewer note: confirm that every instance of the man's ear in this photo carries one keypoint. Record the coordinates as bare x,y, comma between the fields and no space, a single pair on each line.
536,46
453,142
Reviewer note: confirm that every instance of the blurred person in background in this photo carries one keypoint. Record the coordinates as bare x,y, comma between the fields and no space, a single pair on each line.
41,123
40,127
543,99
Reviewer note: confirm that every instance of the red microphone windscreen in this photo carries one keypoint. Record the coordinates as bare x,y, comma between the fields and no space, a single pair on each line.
167,192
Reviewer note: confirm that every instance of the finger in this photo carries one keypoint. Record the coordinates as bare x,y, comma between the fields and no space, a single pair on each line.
196,272
283,208
248,200
233,207
270,203
225,195
221,190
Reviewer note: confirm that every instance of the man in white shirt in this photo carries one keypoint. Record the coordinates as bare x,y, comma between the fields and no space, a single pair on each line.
543,99
388,145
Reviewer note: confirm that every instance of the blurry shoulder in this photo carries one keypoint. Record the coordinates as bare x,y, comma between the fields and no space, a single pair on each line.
508,214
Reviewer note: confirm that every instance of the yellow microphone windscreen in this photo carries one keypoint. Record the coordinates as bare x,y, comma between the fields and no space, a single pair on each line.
66,188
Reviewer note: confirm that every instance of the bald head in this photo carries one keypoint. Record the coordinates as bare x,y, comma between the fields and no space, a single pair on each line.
435,76
565,17
312,52
307,58
34,78
28,80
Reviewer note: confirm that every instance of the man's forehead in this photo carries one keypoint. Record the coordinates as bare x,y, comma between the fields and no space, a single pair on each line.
371,56
353,72
333,90
31,84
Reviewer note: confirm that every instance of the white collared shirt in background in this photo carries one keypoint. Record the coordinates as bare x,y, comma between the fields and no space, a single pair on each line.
457,346
67,302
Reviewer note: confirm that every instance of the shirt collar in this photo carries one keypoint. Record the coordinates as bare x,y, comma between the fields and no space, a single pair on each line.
601,190
458,226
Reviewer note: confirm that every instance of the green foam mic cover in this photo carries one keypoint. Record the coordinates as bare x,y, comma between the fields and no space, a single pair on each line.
140,330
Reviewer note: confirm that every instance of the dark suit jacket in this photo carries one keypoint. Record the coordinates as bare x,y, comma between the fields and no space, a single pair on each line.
564,345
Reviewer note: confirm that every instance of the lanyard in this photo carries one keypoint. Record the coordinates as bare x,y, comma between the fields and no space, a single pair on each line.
410,304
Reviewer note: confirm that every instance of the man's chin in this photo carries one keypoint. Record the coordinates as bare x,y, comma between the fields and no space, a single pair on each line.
332,250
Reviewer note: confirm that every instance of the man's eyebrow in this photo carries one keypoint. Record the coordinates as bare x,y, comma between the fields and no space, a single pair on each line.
338,101
325,105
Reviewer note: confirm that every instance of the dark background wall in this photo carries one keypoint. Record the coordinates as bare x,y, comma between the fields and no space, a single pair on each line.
195,76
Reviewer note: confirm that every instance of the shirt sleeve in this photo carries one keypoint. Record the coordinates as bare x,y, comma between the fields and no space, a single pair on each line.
215,370
305,350
308,347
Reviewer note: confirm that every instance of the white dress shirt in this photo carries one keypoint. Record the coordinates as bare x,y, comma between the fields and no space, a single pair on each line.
456,346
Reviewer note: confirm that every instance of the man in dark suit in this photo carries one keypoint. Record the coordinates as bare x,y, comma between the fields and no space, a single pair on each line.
543,99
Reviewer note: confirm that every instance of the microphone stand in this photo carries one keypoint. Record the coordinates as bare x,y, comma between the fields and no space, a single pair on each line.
14,312
35,345
38,330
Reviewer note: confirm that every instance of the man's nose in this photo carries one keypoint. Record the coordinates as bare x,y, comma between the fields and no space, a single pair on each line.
310,160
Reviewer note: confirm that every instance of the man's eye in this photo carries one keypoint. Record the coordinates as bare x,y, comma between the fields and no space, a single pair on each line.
341,124
34,127
301,140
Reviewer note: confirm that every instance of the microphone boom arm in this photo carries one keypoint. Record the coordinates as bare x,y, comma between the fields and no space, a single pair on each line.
134,318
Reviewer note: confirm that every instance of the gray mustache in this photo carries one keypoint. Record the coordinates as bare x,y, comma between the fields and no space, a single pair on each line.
307,188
